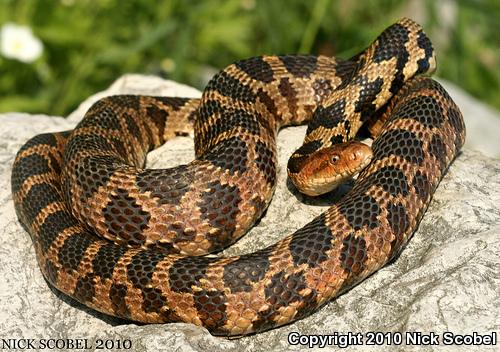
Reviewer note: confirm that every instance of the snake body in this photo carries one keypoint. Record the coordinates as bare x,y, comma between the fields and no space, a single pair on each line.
72,186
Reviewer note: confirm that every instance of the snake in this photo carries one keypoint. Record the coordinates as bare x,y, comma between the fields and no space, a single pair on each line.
130,241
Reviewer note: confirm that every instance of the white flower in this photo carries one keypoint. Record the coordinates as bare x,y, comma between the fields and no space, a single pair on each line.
18,42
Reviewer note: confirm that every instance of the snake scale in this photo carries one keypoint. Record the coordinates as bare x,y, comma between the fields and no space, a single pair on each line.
128,241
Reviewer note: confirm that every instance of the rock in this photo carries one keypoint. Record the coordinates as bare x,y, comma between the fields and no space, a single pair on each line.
482,121
446,279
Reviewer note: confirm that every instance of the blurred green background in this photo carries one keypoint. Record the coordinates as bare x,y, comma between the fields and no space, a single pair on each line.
87,44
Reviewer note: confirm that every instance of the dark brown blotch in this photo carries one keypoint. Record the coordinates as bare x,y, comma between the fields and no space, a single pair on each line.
457,122
230,154
158,117
337,139
257,69
390,178
33,164
399,223
437,148
250,122
300,65
295,163
86,142
308,148
85,288
354,254
142,266
209,115
367,95
264,119
103,115
391,43
132,126
48,139
71,253
187,272
211,308
52,227
55,164
361,210
125,101
266,162
282,291
219,206
125,218
175,103
290,94
230,87
153,300
248,269
106,259
167,186
117,295
93,172
39,196
424,42
328,116
268,102
310,244
228,121
345,70
424,109
121,149
399,142
422,186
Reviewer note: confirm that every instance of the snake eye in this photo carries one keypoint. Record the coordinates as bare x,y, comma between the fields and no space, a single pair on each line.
335,158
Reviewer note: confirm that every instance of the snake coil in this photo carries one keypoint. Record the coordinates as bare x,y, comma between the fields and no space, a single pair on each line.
115,236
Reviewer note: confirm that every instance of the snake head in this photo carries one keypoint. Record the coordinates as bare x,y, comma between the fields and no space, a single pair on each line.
327,168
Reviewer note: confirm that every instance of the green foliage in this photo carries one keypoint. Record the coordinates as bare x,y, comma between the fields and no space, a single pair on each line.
90,43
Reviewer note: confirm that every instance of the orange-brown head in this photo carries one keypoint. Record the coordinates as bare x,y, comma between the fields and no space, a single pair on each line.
327,168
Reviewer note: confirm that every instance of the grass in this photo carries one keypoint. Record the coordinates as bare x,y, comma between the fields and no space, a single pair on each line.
88,43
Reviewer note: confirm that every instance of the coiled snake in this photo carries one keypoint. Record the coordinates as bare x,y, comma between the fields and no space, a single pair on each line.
72,186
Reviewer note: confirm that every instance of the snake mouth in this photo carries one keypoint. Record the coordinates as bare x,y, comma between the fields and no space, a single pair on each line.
328,168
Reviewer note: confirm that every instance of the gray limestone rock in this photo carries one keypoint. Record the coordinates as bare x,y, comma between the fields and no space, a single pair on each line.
447,279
